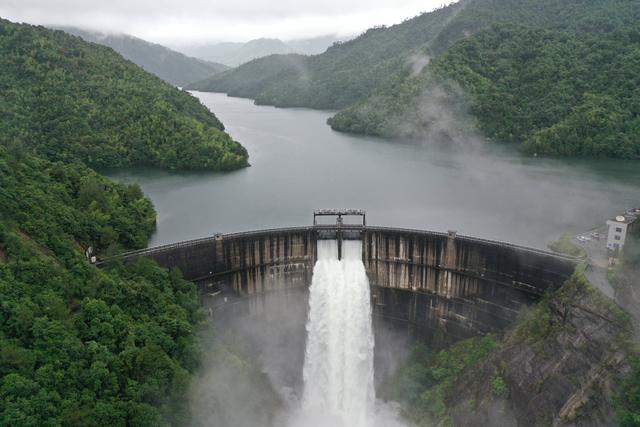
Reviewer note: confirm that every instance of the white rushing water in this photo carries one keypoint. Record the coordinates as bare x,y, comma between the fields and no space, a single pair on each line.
338,367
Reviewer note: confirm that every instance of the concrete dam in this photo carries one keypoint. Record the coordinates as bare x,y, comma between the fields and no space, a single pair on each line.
431,281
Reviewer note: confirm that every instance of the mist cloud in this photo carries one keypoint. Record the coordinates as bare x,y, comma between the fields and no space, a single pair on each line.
189,21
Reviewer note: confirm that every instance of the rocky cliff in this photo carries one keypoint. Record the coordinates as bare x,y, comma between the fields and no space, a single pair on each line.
560,365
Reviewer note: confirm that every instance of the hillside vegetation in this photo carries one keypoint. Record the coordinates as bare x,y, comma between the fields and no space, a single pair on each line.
344,74
171,66
557,93
515,68
349,72
626,280
569,360
237,53
233,54
80,345
72,100
256,76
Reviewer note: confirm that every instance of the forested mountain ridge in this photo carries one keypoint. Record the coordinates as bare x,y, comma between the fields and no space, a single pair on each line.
233,54
171,66
72,100
351,71
344,74
557,93
569,360
515,68
81,345
257,75
569,15
237,53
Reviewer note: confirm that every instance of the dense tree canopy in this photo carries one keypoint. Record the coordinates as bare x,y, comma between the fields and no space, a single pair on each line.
74,100
352,71
558,93
426,377
171,66
568,90
80,345
344,74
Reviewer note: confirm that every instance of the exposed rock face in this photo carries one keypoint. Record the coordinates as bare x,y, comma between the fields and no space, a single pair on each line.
558,366
627,287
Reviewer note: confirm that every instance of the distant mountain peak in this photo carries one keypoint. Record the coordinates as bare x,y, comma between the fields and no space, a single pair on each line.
171,66
237,53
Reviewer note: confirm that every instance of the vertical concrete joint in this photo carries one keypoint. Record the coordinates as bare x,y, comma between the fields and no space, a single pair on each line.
449,262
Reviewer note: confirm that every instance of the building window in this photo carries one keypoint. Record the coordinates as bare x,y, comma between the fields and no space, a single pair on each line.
619,229
616,237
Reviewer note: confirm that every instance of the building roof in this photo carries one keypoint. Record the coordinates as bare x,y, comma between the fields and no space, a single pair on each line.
628,217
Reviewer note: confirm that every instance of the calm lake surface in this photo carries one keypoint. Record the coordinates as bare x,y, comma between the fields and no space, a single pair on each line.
299,164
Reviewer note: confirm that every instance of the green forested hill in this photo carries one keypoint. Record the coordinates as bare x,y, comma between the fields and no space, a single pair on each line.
73,100
255,76
238,53
169,65
561,15
351,71
567,341
559,76
344,74
80,345
559,93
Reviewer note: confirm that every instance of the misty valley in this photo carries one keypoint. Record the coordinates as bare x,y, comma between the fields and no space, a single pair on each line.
320,214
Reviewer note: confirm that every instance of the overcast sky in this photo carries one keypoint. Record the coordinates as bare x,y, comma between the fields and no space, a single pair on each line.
178,22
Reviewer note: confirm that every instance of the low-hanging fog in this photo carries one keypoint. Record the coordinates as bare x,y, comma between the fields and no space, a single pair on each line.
252,374
189,22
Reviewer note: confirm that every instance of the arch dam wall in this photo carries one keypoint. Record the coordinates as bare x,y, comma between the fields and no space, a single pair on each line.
459,285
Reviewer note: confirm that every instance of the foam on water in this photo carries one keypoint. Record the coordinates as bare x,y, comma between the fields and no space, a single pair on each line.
338,368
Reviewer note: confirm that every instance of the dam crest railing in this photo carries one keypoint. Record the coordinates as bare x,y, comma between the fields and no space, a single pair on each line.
322,227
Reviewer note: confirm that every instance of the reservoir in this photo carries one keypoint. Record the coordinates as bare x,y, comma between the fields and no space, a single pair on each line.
299,164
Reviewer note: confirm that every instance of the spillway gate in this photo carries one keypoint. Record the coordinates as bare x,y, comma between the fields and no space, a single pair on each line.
340,230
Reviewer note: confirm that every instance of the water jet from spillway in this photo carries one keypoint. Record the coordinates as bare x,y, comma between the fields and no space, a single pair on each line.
338,367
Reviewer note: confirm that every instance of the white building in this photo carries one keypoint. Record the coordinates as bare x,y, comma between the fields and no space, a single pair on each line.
619,227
